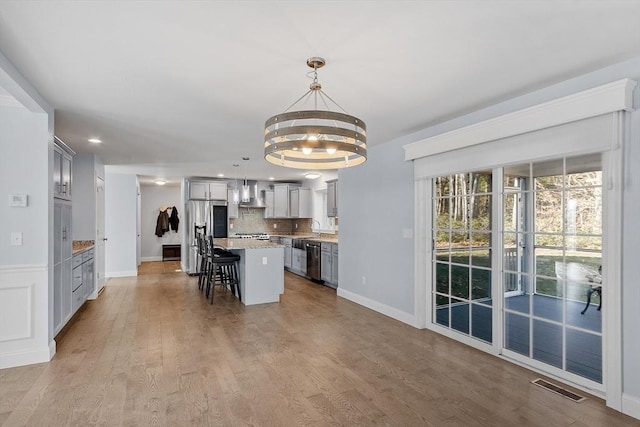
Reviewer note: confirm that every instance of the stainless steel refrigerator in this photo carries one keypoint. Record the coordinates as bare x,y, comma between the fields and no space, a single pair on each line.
208,217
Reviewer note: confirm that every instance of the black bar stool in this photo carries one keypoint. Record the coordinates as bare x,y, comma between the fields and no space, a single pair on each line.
222,270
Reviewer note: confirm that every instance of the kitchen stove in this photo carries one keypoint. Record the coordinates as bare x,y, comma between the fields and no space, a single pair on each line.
256,236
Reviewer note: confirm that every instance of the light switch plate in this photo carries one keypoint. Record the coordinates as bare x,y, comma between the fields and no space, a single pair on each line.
18,200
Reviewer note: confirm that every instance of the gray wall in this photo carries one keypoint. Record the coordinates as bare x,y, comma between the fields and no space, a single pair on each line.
370,220
24,170
376,206
152,197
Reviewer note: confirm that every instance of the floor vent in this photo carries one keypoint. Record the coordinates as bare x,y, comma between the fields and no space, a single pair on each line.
558,390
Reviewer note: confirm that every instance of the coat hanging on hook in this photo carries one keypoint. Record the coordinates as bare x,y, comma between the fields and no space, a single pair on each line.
174,220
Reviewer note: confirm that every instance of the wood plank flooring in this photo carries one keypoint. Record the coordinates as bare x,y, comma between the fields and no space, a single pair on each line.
152,351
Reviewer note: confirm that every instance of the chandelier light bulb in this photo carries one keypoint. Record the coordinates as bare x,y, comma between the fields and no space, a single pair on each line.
331,150
307,150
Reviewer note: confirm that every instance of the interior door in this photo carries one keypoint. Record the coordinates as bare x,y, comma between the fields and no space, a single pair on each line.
100,235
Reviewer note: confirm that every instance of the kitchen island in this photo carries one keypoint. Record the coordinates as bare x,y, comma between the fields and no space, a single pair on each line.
261,269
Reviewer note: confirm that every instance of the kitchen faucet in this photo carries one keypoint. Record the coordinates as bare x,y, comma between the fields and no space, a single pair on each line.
313,222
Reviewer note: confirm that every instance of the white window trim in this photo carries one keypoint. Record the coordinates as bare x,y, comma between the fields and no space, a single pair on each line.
611,98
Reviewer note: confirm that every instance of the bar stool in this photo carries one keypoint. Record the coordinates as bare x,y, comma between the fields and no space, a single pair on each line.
202,253
222,270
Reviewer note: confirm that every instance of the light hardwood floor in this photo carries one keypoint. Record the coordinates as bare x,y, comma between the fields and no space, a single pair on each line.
152,351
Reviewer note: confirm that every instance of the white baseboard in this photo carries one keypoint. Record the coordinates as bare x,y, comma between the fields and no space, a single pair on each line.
394,313
631,406
25,357
53,347
150,258
121,274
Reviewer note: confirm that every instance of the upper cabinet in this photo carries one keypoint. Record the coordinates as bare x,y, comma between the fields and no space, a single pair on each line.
290,201
207,190
281,200
62,163
300,203
332,198
268,203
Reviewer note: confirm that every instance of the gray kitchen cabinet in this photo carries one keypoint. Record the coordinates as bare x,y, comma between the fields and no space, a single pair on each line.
287,251
281,201
325,262
88,272
296,259
329,264
300,203
62,166
268,203
62,268
232,208
83,282
334,264
207,190
332,198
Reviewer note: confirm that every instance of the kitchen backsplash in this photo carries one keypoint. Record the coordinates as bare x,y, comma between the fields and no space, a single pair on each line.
251,221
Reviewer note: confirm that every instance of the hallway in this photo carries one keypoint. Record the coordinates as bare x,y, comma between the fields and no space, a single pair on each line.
152,350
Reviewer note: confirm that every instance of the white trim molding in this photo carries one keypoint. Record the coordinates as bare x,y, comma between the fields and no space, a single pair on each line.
631,406
394,313
608,98
114,274
24,315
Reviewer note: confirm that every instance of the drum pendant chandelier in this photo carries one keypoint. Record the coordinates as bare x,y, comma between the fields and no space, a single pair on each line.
315,139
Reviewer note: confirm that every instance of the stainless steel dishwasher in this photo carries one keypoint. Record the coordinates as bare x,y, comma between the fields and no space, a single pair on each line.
313,260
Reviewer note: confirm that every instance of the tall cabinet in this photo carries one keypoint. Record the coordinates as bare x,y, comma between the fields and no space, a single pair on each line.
62,236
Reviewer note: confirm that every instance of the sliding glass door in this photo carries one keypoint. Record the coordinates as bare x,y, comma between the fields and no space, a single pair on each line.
550,272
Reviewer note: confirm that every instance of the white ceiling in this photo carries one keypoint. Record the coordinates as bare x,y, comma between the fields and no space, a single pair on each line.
179,88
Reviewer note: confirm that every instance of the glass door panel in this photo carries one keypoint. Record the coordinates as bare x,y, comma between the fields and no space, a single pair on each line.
552,246
462,254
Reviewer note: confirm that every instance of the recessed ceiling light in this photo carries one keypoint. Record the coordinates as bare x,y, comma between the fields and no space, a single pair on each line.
311,175
95,141
271,178
160,181
220,175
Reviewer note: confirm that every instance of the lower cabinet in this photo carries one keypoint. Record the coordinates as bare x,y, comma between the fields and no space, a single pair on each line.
82,282
329,268
287,251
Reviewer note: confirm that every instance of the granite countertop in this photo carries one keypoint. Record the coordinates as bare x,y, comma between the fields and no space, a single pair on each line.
245,244
82,245
314,237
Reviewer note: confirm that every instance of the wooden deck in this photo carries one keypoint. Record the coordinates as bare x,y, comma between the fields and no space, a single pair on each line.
151,350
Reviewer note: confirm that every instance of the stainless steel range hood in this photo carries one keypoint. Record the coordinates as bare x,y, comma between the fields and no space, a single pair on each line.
255,201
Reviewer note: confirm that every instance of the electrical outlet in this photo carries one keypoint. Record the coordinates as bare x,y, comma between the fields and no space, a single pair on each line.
264,260
296,226
275,225
230,226
16,238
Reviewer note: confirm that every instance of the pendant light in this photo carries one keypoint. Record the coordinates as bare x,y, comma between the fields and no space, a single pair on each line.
315,139
236,191
246,192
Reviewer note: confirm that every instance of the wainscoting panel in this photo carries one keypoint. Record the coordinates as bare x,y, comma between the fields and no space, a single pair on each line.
15,312
24,316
